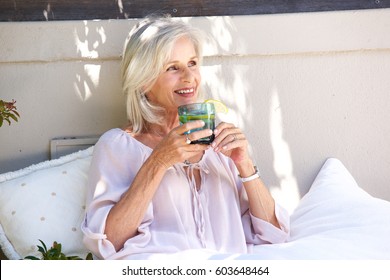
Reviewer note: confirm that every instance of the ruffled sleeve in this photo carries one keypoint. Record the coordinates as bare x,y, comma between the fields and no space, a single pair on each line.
114,165
258,231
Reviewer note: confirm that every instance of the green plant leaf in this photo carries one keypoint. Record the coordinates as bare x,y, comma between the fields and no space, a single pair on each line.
13,117
54,253
8,112
41,250
16,113
43,245
31,258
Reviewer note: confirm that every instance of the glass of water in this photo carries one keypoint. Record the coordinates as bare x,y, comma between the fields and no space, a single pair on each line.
198,111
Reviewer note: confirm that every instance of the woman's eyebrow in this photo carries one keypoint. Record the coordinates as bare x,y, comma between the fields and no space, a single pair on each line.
176,61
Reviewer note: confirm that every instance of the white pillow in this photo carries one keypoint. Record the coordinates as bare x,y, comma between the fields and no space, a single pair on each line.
44,201
336,219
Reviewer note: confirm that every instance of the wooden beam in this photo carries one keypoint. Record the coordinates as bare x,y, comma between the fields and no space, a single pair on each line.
37,10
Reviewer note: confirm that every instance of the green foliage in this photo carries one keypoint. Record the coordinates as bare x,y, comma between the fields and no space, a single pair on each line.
54,253
8,112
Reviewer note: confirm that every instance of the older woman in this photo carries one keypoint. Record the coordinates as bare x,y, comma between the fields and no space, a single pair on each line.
150,191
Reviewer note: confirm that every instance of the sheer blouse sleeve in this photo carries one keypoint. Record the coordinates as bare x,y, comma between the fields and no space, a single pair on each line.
115,162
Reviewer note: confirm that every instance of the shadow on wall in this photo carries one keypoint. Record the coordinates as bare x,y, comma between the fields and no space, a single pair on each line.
299,109
97,78
88,41
232,78
67,86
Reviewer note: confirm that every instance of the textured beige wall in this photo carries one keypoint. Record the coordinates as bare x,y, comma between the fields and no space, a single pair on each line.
304,87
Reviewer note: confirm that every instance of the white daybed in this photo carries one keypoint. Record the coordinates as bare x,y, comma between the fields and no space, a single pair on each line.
336,219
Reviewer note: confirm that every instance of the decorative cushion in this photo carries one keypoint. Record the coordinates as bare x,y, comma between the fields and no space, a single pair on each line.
44,201
336,219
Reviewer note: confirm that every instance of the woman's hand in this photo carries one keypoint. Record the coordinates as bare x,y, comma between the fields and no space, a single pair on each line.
176,147
231,141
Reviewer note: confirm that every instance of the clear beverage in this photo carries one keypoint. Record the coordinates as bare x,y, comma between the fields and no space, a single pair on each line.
199,111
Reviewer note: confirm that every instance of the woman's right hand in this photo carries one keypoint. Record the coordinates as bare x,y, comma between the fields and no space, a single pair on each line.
175,147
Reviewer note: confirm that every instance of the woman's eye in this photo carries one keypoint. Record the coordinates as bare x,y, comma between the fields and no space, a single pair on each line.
171,68
192,63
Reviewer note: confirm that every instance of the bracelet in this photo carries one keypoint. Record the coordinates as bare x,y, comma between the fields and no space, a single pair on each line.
252,177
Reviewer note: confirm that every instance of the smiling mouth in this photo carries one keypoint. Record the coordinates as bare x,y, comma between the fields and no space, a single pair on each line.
185,91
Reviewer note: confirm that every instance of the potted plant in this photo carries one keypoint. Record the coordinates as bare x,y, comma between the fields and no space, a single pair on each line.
8,112
55,253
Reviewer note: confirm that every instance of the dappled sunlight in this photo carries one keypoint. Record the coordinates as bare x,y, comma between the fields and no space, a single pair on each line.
122,10
84,85
83,45
238,96
88,41
217,88
120,6
48,12
287,193
221,28
223,79
227,78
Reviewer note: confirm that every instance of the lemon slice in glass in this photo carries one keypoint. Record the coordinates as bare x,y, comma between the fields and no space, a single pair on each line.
219,106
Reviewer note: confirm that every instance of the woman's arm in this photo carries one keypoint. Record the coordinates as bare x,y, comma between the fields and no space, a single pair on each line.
125,216
261,203
232,142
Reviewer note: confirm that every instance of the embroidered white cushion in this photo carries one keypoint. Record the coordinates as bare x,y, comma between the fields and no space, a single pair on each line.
44,201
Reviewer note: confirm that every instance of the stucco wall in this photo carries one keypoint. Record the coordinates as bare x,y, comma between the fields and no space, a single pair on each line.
304,87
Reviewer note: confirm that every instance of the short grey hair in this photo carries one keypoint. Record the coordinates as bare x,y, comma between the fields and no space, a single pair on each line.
147,49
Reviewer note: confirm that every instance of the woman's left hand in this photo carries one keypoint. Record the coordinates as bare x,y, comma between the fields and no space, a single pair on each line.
230,141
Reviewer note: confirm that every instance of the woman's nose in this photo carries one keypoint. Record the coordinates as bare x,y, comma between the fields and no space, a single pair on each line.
187,75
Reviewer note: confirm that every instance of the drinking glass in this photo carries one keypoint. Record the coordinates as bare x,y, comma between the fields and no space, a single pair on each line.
199,111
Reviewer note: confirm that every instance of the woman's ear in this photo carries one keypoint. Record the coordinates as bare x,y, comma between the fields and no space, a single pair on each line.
143,92
144,96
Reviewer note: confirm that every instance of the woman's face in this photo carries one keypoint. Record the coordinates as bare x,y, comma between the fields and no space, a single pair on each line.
178,84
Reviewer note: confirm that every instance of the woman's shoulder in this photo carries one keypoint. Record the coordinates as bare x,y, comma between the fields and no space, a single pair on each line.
112,134
117,139
119,149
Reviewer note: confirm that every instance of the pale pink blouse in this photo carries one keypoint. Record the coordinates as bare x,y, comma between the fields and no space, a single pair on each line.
216,217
